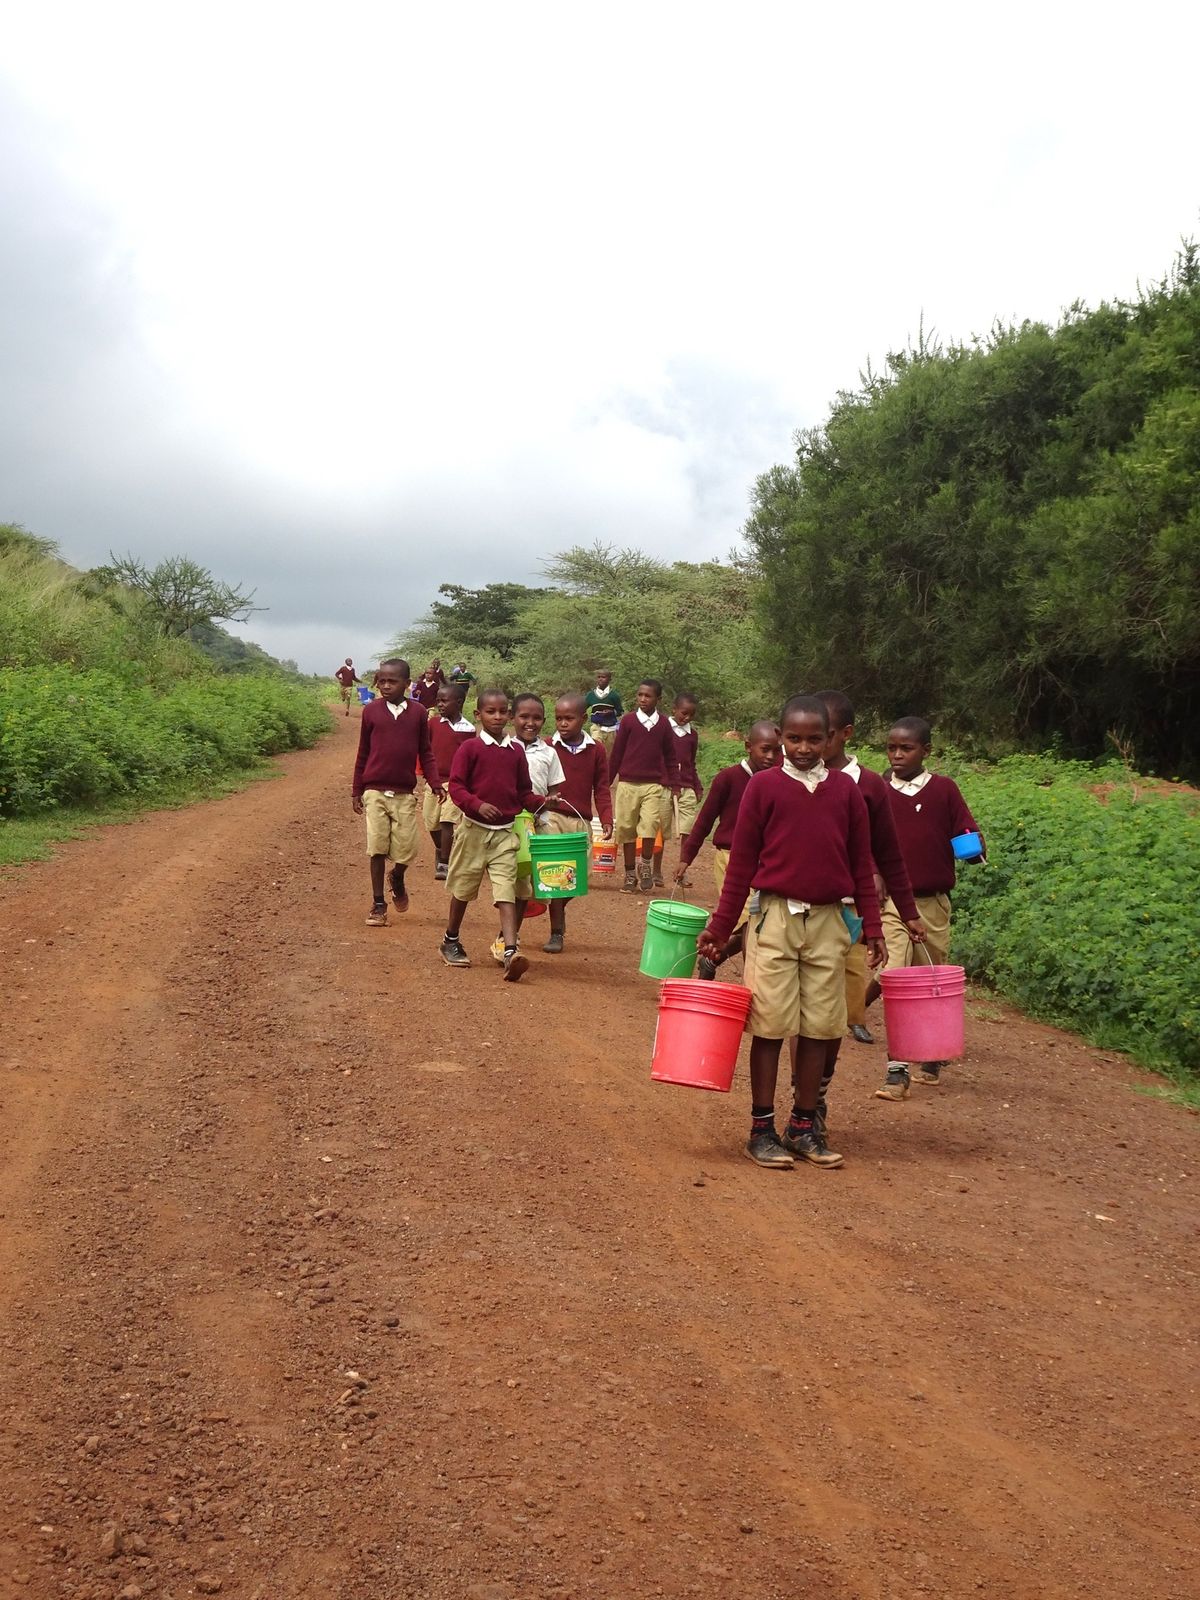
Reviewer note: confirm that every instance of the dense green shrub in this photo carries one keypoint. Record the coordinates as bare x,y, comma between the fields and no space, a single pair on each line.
78,738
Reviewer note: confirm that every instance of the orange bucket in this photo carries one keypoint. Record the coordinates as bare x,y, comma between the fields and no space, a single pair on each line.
699,1033
604,855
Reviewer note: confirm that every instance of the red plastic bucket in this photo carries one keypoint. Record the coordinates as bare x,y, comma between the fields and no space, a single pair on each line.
923,1012
699,1032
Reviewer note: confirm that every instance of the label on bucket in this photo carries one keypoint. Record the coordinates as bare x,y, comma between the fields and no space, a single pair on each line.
560,875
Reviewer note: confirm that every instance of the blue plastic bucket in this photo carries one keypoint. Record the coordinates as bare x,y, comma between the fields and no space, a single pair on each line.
967,847
364,694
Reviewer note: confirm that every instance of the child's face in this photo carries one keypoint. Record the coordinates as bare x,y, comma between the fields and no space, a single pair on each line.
568,719
493,715
685,710
762,750
647,698
449,704
839,738
391,685
528,719
805,735
906,754
603,679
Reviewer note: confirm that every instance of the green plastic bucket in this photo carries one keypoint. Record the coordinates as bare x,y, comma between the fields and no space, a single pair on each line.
559,864
523,828
669,948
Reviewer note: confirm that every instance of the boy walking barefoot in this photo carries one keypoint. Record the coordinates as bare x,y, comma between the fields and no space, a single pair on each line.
643,766
447,731
928,811
393,738
679,815
489,783
803,840
585,787
545,779
721,808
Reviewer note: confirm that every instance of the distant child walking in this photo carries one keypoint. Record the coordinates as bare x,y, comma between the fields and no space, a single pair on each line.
802,839
426,687
346,678
393,739
929,811
720,810
643,767
447,730
584,790
490,784
679,815
604,709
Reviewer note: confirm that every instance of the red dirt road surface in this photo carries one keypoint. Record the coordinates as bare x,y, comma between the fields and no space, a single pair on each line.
330,1272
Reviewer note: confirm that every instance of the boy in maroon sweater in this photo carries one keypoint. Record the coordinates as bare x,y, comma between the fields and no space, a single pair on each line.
393,738
928,811
643,767
721,807
683,802
802,838
447,730
489,783
584,789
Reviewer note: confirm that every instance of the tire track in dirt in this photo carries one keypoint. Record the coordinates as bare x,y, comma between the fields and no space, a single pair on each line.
332,1271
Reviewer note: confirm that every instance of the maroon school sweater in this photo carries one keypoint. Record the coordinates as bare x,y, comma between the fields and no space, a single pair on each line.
390,747
926,823
801,846
720,806
885,842
497,773
446,742
644,755
585,774
686,746
427,692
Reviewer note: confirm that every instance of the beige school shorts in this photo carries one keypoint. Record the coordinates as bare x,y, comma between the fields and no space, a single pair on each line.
934,912
477,850
638,810
561,822
391,825
856,986
434,811
680,813
720,868
796,971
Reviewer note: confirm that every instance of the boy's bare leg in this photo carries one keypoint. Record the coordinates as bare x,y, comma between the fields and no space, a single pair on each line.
510,922
764,1070
378,871
458,910
445,843
630,851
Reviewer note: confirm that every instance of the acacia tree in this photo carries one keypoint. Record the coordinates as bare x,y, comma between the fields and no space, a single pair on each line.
179,592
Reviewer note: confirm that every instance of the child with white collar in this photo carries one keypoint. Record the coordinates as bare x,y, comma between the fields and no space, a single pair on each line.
644,765
545,779
679,817
585,788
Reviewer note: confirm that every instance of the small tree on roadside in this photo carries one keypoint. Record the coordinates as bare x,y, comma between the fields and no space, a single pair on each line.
179,592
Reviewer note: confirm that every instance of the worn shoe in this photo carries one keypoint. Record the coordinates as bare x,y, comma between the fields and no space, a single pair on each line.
862,1034
658,881
930,1072
630,886
515,967
497,949
554,945
896,1084
377,916
646,879
767,1149
810,1145
441,872
453,954
399,892
706,969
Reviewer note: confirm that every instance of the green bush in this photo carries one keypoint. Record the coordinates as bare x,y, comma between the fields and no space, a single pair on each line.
83,737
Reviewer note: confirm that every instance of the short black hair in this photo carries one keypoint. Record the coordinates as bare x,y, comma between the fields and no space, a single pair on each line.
809,704
490,694
395,661
528,694
454,686
917,726
685,694
572,697
763,725
841,711
651,683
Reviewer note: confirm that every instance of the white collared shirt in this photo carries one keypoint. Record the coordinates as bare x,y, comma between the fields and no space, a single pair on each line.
545,769
681,728
503,743
647,722
463,725
746,767
398,709
852,769
816,774
914,786
584,740
602,694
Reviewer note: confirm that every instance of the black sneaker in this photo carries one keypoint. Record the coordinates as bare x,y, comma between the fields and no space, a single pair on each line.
706,969
441,871
453,954
862,1034
810,1145
646,879
821,1120
930,1072
767,1149
399,892
630,886
895,1085
377,916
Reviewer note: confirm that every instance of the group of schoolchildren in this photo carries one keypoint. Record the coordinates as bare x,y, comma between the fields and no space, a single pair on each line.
825,870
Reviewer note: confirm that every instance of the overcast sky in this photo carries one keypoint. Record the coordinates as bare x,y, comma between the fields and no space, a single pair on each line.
348,301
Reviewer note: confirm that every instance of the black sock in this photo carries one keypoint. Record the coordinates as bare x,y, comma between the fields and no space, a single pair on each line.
451,938
762,1119
801,1121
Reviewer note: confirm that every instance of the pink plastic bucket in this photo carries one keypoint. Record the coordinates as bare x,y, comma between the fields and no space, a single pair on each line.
923,1012
699,1033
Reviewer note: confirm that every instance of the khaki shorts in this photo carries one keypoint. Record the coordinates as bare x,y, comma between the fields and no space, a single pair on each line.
391,825
605,736
934,912
856,986
477,850
561,822
720,867
434,811
796,971
679,815
344,693
639,809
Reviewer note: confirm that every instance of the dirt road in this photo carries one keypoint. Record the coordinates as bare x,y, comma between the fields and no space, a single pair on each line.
328,1271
